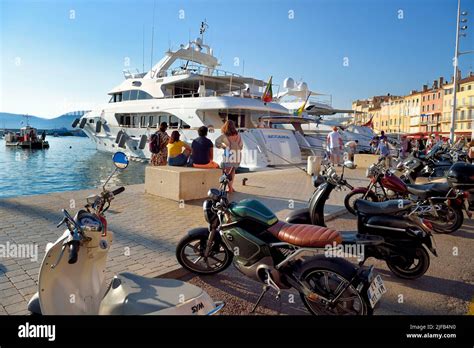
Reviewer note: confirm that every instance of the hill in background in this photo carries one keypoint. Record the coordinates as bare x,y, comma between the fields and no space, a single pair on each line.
16,121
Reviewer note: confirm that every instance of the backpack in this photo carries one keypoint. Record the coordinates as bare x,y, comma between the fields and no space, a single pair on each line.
154,146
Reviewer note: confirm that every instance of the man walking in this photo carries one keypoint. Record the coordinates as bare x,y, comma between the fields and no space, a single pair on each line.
334,144
384,152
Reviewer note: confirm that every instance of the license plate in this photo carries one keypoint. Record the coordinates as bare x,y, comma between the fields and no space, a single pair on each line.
376,290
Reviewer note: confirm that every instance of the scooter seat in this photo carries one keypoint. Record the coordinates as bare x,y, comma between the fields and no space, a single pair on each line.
305,235
131,294
381,208
429,190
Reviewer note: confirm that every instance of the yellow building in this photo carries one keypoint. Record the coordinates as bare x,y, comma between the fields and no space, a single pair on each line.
376,114
391,115
463,121
364,109
411,112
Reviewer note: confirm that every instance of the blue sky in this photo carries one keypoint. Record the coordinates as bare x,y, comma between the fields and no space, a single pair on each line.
51,63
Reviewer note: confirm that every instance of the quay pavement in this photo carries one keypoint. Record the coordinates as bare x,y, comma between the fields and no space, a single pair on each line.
147,228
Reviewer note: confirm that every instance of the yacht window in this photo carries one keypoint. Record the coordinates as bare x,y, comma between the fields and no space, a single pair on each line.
125,95
185,125
164,118
126,121
143,122
153,120
112,99
144,95
118,97
133,94
135,121
174,122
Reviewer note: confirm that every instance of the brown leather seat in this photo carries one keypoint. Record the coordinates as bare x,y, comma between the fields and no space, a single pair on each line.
305,235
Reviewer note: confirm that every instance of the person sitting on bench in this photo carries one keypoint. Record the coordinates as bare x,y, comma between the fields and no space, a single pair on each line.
202,155
176,155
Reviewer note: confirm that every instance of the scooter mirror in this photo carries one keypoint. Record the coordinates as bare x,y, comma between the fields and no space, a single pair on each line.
120,160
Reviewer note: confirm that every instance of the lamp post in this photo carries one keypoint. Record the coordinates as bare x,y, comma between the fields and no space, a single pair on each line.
459,32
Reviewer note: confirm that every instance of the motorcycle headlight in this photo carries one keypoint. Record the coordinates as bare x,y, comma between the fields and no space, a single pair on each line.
207,210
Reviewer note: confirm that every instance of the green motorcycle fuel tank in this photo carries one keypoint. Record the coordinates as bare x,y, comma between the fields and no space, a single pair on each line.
244,231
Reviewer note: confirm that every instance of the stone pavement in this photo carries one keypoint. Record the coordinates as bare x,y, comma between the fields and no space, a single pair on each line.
147,228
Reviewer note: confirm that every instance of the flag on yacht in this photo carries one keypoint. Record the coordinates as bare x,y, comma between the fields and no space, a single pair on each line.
299,112
268,94
369,123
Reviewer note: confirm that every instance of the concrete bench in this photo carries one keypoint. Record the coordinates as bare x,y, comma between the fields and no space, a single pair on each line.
180,183
365,160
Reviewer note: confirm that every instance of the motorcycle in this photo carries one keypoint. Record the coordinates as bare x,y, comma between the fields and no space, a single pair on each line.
460,177
267,250
78,286
439,203
405,236
435,164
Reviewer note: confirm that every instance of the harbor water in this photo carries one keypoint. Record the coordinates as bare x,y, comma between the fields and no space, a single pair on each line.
71,163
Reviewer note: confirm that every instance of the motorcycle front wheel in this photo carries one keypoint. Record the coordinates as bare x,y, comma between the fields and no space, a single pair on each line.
190,255
329,283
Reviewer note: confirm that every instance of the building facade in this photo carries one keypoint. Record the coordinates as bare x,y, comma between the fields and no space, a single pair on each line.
432,107
427,111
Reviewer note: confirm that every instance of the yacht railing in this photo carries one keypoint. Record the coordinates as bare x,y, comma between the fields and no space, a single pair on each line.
196,69
323,99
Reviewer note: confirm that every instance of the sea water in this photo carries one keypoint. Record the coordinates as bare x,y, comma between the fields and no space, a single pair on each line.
71,163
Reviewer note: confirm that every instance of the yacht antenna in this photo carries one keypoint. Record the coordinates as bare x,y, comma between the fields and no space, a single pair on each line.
143,49
203,28
152,34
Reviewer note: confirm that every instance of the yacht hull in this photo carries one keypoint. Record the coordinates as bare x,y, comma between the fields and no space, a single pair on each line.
262,147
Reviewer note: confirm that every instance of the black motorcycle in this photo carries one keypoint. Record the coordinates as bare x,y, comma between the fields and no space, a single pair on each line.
435,164
270,251
405,236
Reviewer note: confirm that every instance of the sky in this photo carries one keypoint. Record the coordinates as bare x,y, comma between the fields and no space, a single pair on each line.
61,56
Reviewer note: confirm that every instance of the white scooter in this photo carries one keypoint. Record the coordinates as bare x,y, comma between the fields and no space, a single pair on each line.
78,287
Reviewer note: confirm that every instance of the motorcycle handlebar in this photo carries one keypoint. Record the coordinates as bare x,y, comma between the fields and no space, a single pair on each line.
118,191
73,251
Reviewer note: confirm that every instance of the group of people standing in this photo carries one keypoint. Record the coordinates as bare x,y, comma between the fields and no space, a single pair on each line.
170,150
335,147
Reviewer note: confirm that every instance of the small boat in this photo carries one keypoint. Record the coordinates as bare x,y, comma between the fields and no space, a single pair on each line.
27,138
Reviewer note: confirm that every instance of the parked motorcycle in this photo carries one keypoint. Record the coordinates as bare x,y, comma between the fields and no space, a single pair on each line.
461,177
77,286
405,235
439,203
435,164
269,251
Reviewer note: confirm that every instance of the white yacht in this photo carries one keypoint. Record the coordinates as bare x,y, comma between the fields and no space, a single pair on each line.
311,128
186,90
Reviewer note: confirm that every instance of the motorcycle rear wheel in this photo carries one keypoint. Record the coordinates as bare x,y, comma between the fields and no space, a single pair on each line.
451,219
414,269
327,282
351,197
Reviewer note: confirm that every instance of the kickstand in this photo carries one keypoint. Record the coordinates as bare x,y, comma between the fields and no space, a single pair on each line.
265,289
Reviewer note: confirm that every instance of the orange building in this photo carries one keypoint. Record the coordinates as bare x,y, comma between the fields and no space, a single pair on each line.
432,107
